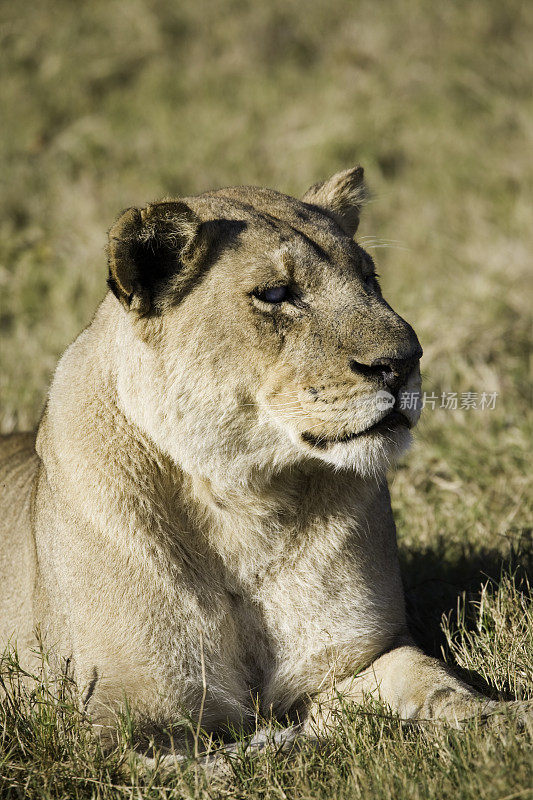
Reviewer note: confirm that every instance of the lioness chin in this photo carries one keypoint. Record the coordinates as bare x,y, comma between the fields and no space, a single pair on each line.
204,524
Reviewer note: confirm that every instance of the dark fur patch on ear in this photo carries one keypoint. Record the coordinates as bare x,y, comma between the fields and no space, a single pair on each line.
146,247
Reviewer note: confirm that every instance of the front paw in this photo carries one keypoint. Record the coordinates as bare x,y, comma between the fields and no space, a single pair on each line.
455,707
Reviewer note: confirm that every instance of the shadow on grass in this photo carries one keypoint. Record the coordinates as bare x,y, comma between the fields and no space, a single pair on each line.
438,581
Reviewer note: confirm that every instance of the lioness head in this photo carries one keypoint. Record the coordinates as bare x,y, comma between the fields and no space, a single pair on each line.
255,334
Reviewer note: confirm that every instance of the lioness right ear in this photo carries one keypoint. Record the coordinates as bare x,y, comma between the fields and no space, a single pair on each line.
146,246
342,196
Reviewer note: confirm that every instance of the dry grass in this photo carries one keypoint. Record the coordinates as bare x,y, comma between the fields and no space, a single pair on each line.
113,103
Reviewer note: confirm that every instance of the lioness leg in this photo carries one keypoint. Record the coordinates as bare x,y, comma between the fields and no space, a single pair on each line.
414,686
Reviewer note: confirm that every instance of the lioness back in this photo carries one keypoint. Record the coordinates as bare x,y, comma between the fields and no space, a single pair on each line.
18,469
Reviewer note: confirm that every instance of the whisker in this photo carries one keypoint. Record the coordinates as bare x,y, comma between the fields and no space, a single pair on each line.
391,246
256,405
288,408
295,417
317,425
380,239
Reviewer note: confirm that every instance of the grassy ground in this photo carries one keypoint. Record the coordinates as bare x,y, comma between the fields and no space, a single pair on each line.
109,104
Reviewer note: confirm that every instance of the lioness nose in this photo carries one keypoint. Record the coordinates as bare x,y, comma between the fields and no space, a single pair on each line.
393,371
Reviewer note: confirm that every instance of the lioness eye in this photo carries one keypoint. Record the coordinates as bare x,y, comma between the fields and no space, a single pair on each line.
276,294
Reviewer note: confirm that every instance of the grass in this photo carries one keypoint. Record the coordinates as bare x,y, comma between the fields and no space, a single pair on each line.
109,104
48,750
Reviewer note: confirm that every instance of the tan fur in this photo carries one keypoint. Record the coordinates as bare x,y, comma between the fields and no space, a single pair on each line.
189,508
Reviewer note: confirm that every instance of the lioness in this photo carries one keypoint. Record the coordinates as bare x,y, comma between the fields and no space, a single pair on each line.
203,523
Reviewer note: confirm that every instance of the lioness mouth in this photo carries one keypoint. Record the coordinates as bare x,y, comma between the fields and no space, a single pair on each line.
390,421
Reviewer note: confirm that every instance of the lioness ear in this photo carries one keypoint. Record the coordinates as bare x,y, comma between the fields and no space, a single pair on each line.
342,196
146,246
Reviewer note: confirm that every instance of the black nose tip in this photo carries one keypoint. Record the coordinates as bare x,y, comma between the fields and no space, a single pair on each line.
393,371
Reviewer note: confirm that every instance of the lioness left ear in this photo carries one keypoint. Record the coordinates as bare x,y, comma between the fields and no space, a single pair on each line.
342,196
146,247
